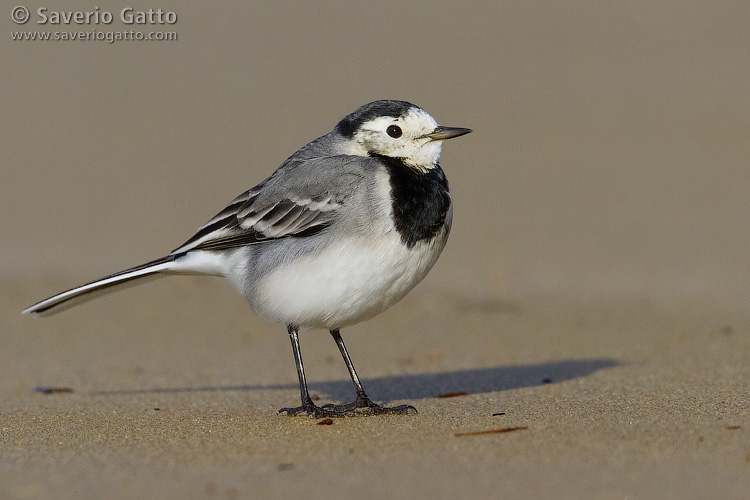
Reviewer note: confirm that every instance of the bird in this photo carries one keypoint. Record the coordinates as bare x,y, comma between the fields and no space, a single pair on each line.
340,231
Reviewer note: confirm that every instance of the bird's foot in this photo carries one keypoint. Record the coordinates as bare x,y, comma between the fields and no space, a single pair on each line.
310,410
359,407
363,406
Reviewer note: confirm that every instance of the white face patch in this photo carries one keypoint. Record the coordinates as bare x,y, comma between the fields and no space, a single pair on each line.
402,137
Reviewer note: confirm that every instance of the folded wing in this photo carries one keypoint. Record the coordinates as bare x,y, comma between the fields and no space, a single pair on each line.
299,199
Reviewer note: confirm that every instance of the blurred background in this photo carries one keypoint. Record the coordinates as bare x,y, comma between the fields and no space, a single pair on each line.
610,152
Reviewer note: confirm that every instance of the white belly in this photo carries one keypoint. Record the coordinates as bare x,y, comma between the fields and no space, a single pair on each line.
348,282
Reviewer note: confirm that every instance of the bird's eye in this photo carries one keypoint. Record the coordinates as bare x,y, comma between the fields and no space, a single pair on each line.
394,131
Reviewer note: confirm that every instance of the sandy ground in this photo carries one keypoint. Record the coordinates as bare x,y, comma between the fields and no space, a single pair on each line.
617,398
591,302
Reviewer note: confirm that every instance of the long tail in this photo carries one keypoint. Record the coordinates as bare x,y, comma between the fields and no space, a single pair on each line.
102,286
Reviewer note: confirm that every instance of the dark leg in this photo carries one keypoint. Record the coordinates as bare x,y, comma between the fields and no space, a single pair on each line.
362,401
349,365
308,407
361,406
307,404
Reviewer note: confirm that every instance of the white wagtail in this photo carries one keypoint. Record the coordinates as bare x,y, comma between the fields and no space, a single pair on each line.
341,231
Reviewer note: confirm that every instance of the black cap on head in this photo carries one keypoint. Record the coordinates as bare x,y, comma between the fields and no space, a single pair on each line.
352,122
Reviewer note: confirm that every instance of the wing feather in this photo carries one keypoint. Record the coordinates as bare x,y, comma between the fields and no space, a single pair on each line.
298,200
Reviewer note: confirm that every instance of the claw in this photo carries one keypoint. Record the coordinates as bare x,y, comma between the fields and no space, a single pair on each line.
360,407
311,411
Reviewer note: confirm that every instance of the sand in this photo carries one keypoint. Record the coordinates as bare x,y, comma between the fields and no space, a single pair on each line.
589,315
629,398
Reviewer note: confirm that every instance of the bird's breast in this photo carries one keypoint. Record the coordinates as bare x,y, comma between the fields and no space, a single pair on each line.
374,258
420,200
351,280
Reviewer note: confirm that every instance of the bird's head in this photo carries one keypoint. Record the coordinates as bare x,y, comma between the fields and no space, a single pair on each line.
397,129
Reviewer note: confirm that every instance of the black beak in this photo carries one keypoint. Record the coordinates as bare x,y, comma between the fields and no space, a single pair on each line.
443,133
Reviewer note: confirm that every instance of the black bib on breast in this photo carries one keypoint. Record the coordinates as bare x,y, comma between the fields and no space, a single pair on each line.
420,200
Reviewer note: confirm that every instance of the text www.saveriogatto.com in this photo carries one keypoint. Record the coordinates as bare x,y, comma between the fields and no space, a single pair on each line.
87,25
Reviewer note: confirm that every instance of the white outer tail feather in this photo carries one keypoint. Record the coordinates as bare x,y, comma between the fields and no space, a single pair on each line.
65,300
191,263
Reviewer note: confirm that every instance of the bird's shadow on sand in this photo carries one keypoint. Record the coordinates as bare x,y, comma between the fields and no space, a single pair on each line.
429,385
